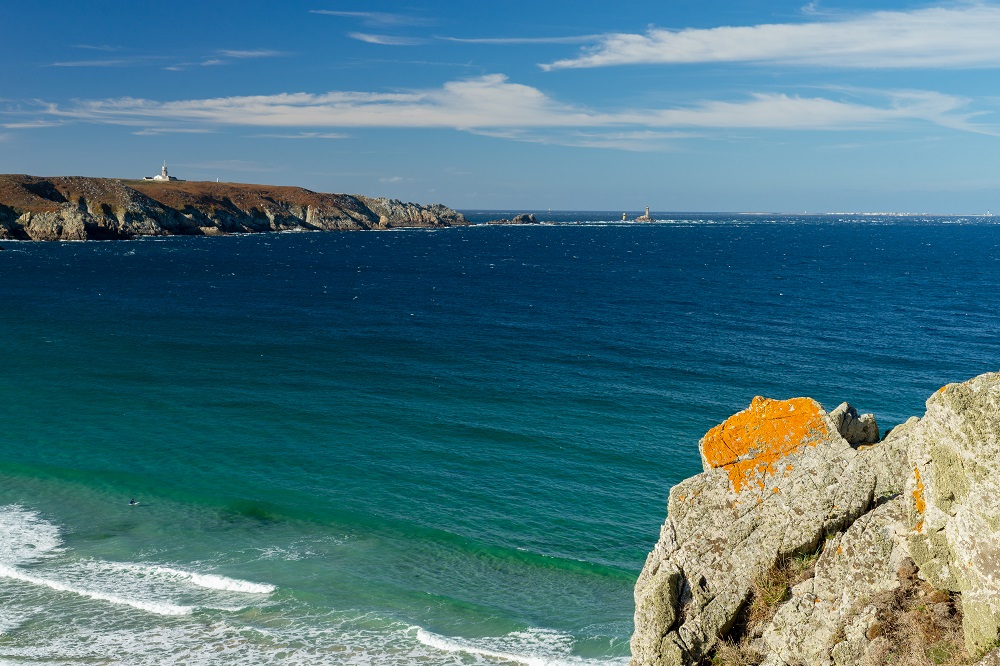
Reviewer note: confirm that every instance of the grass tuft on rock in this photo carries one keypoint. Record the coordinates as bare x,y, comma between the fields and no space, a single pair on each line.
917,625
769,589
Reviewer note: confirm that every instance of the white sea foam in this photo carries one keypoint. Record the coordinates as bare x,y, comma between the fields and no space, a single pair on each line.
216,582
158,607
205,580
26,536
532,647
28,553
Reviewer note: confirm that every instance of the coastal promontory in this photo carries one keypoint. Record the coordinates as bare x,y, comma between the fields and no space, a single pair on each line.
82,208
808,539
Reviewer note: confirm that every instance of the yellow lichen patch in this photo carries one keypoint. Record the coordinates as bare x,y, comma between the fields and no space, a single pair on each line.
752,443
918,493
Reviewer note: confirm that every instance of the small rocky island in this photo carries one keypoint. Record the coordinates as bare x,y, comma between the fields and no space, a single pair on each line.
808,541
523,218
80,208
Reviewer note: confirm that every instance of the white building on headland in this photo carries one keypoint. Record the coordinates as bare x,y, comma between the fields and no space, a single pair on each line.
163,174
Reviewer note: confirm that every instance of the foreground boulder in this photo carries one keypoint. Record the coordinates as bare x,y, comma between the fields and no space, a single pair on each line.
953,498
899,536
778,478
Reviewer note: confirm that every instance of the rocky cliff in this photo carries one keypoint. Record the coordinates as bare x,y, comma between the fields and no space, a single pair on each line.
77,208
806,540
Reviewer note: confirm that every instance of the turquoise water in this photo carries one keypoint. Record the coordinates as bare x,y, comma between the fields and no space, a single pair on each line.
442,447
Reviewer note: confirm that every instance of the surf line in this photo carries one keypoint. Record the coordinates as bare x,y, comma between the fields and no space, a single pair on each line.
157,607
216,582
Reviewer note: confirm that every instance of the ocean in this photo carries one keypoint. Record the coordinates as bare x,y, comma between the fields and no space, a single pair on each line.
423,446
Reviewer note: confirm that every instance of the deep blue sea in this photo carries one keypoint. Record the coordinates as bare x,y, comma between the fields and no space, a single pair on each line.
422,447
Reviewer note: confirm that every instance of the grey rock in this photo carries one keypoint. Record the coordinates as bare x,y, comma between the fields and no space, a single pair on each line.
858,430
953,500
991,658
778,478
523,218
853,568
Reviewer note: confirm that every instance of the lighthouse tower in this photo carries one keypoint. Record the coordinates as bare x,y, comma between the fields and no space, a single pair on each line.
163,174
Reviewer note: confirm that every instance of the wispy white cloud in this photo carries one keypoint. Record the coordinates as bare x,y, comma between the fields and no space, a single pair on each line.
574,39
386,40
94,47
219,57
963,36
157,131
811,7
391,179
107,62
302,135
378,19
493,105
30,124
251,53
633,141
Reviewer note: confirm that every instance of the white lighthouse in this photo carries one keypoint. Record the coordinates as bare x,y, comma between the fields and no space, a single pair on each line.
163,174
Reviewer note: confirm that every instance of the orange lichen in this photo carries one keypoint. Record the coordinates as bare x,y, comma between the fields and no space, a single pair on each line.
918,492
751,444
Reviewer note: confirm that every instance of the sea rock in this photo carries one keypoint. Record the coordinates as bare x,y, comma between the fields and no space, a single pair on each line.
523,218
778,478
953,500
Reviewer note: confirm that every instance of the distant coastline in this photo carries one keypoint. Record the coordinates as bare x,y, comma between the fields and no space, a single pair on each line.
82,208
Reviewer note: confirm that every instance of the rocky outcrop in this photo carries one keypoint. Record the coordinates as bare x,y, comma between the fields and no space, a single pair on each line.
784,479
74,208
953,499
523,218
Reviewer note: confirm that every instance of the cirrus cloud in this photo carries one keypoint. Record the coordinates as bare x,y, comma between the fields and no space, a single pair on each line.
933,38
494,106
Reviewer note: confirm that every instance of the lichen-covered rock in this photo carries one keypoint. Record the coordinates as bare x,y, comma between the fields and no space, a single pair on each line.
821,623
778,478
953,500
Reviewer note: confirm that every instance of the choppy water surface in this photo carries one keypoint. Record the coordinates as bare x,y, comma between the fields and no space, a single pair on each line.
448,447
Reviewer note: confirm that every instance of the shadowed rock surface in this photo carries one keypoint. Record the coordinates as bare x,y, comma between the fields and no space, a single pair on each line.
79,208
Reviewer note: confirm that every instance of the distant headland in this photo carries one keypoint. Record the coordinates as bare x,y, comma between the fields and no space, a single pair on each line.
82,208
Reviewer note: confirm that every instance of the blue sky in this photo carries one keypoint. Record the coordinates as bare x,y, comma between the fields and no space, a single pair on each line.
684,106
